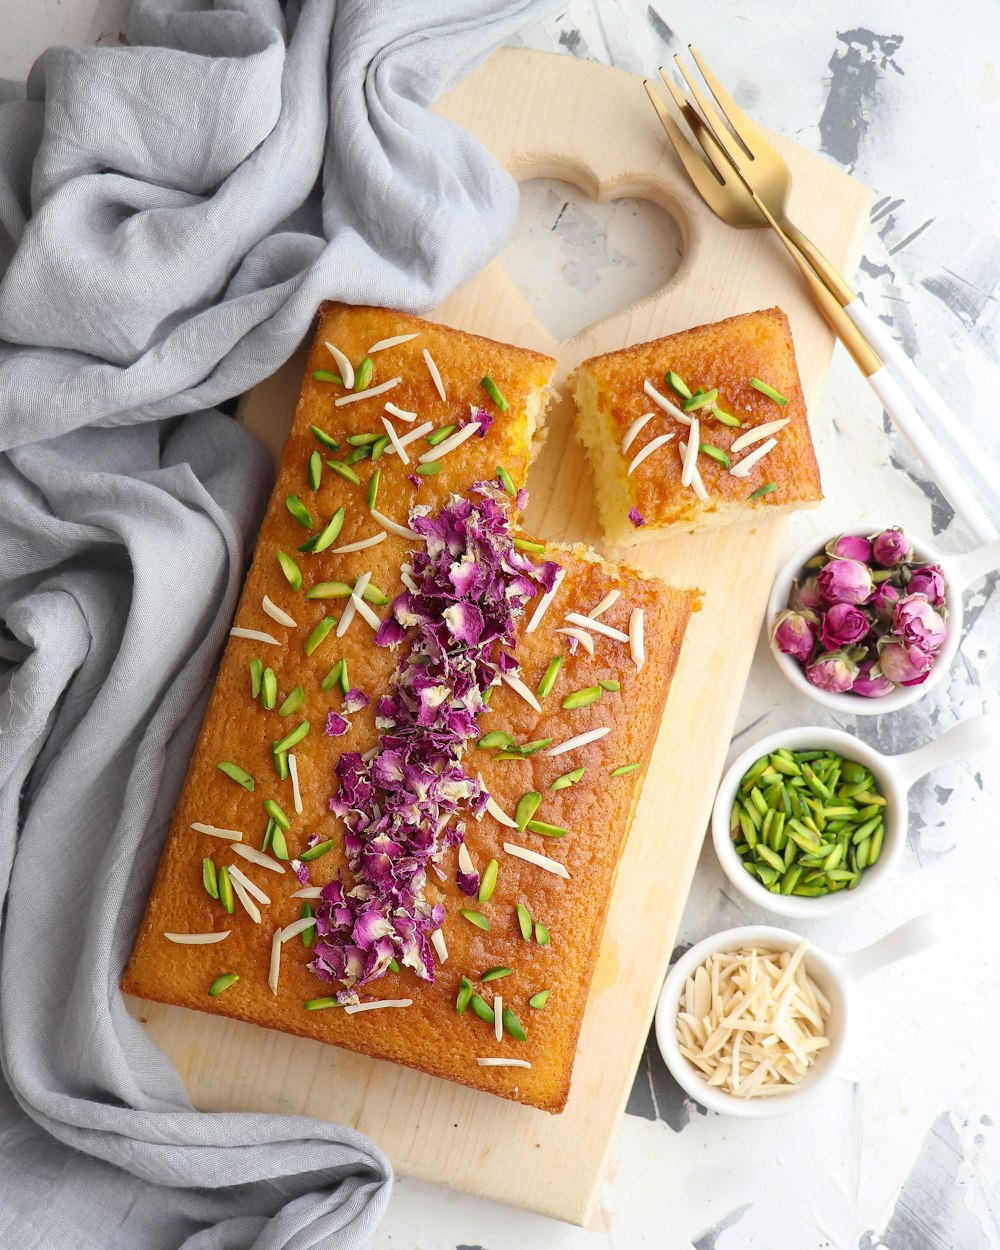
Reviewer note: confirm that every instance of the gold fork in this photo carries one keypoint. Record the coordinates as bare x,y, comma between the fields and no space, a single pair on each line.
745,182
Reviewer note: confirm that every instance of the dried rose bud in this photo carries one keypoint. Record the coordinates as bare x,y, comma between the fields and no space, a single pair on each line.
928,580
903,663
884,601
891,547
871,687
794,633
806,595
843,624
916,621
833,671
850,547
845,581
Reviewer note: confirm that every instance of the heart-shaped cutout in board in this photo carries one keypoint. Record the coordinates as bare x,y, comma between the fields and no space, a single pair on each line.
552,116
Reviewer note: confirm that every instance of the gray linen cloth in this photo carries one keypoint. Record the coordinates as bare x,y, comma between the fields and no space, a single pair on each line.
171,214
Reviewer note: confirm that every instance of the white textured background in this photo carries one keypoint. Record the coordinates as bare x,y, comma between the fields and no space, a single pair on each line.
902,1152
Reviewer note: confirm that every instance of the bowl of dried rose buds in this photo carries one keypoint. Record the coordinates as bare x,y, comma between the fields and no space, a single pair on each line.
872,620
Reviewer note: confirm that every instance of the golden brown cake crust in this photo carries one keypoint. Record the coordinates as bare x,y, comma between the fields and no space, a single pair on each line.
597,811
723,355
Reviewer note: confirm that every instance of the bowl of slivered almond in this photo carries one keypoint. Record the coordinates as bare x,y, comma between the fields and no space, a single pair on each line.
753,1021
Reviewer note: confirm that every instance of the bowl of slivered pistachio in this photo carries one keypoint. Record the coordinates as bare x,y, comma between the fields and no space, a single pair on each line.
752,1022
810,822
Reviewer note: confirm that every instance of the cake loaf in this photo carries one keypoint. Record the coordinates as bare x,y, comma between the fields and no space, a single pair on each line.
427,738
734,385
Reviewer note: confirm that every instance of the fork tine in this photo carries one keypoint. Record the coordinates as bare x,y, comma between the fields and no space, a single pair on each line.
715,156
705,178
748,133
723,137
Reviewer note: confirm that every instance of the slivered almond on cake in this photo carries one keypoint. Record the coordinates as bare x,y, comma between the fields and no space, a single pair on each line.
698,429
401,824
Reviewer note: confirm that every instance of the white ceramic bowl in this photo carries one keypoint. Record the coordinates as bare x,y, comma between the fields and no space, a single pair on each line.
894,775
960,572
833,974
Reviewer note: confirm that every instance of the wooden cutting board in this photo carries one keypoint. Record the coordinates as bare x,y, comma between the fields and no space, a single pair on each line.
549,116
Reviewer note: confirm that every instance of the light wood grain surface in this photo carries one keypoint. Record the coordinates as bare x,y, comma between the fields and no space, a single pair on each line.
592,126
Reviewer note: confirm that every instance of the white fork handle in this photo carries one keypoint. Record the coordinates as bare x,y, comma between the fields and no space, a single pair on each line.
932,454
925,399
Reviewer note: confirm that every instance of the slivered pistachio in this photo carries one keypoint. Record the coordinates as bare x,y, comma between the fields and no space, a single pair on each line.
495,974
279,847
513,1025
315,470
523,921
545,686
624,769
321,436
539,744
363,440
292,739
256,673
495,739
329,532
677,384
268,689
293,702
488,881
767,489
319,634
363,374
226,891
769,391
527,805
702,399
329,590
547,831
541,934
324,375
465,991
344,470
428,470
526,544
265,843
345,681
299,511
359,453
394,965
273,809
715,453
609,684
491,389
209,877
237,774
372,594
582,698
293,574
568,779
220,984
321,1004
332,677
726,418
539,1000
314,852
506,481
475,917
482,1008
379,446
308,934
440,434
373,482
513,754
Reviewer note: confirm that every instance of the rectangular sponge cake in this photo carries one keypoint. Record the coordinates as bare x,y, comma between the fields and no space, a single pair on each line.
543,917
734,378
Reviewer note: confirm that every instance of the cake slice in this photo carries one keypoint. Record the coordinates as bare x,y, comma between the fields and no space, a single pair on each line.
352,849
737,384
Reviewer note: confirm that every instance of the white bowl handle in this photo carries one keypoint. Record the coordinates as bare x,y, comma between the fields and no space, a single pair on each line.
978,733
974,565
909,939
